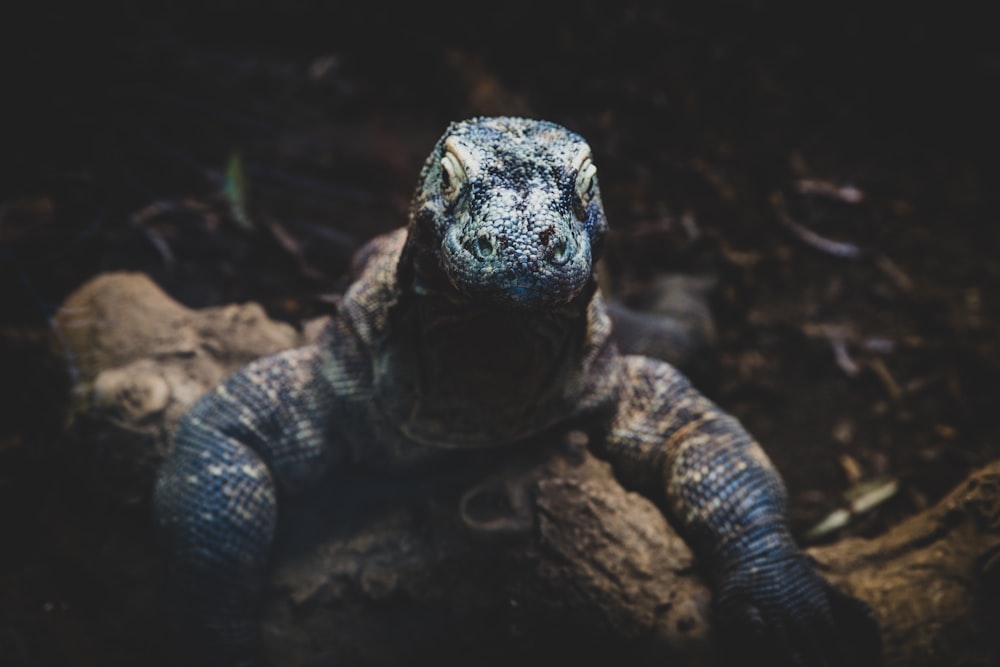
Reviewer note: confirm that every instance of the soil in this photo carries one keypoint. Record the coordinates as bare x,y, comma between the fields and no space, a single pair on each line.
831,172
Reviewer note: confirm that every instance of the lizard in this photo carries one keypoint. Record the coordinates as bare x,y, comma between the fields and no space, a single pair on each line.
479,325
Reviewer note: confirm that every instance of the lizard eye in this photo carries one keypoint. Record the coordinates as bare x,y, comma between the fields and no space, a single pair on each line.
452,174
586,176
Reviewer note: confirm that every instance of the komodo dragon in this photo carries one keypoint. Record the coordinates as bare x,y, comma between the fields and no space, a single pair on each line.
480,326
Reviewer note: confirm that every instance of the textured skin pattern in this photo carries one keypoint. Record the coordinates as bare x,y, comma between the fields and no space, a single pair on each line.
478,326
515,210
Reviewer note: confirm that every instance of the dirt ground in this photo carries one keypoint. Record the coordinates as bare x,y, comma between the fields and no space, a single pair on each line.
831,172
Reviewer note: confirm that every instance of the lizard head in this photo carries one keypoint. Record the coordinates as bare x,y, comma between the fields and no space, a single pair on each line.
507,212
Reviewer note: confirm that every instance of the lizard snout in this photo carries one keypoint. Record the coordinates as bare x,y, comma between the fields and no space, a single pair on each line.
550,246
519,263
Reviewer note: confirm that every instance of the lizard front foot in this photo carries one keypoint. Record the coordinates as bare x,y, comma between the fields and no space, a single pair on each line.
778,611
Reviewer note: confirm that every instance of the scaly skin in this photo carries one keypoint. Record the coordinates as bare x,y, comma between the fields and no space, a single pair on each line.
479,326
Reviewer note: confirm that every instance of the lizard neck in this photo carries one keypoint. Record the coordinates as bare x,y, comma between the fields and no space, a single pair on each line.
455,373
503,354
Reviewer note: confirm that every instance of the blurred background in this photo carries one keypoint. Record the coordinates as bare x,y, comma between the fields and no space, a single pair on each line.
830,170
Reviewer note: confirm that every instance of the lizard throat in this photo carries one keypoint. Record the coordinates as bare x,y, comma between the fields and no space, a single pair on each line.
475,377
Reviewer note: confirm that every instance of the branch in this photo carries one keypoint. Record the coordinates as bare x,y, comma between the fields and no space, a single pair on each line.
504,554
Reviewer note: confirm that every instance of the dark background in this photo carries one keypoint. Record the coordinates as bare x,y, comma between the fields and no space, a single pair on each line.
720,132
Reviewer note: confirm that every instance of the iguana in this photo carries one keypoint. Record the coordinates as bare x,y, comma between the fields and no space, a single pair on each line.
479,325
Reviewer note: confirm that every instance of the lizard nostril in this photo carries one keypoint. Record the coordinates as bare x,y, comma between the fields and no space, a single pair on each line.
559,252
483,247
